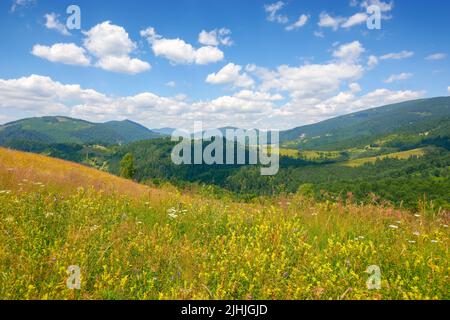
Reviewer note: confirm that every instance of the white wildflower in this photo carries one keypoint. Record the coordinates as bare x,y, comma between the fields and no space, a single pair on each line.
173,215
393,226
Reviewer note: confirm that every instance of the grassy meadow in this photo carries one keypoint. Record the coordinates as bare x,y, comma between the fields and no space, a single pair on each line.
135,242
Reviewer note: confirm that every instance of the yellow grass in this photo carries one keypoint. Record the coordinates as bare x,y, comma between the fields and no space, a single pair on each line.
24,171
397,155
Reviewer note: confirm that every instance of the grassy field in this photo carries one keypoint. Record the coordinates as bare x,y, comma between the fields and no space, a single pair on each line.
133,242
396,155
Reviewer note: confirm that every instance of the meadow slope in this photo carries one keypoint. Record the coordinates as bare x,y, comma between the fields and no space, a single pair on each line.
134,242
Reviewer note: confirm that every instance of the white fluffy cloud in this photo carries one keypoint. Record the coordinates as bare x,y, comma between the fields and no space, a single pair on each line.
109,43
40,95
349,52
398,77
122,64
215,37
67,53
312,110
52,23
448,89
231,74
106,39
436,56
301,21
112,45
327,21
177,51
314,80
272,12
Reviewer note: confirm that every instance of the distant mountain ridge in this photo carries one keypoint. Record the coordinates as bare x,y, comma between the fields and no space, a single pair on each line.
59,129
424,116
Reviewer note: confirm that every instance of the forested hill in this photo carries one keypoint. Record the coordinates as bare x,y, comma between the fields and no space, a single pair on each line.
425,116
68,130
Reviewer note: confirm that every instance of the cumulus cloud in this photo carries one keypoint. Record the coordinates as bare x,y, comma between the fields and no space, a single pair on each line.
350,52
106,39
313,110
273,15
43,95
327,21
231,74
112,46
215,37
301,21
109,43
67,53
122,64
177,51
52,23
40,95
314,80
436,56
398,77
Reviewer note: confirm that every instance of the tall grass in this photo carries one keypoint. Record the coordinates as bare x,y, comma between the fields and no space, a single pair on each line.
165,245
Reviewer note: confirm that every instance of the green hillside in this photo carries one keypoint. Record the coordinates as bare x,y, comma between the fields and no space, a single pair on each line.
68,130
425,116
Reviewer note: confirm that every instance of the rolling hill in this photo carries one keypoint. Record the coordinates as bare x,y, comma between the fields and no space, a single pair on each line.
24,171
57,129
168,245
425,116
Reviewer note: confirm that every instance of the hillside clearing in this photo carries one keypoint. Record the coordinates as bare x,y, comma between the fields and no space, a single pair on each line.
396,155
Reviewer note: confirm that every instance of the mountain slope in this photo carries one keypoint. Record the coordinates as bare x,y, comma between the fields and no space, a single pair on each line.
68,130
431,116
27,171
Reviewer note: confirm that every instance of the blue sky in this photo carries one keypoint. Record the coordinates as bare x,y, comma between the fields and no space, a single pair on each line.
265,64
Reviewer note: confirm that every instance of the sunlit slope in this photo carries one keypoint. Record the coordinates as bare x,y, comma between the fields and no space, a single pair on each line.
27,171
396,155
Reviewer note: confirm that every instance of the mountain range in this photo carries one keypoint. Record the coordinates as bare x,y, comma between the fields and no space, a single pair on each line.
60,129
418,117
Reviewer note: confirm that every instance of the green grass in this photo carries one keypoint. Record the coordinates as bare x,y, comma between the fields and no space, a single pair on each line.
161,244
